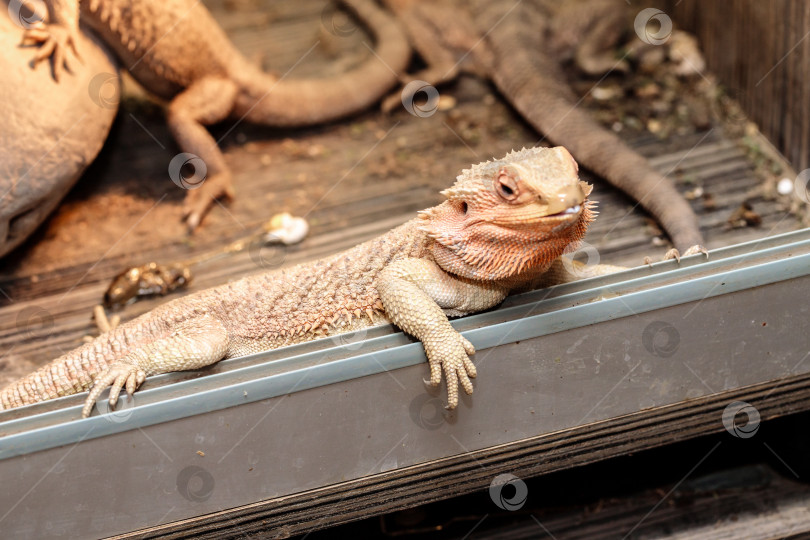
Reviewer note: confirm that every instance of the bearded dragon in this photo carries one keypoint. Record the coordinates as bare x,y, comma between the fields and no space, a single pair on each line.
521,46
503,227
50,134
176,50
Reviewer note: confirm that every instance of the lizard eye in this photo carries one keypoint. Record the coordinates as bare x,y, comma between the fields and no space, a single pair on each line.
506,186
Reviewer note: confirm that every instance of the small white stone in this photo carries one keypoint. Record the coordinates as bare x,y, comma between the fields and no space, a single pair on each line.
446,102
287,229
785,186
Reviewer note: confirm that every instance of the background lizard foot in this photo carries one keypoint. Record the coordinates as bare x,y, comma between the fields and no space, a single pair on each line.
675,254
54,41
199,200
694,250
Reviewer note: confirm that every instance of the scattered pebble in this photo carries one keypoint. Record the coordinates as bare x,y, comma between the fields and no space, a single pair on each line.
632,122
315,150
709,204
784,186
684,51
744,216
650,59
694,194
446,102
604,93
648,90
286,228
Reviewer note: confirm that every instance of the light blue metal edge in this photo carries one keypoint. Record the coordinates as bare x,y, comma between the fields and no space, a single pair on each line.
526,323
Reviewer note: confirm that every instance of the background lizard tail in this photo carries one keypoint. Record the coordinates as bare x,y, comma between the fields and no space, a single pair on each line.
550,106
287,103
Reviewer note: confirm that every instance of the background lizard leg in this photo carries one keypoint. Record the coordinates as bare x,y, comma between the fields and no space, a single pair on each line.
207,101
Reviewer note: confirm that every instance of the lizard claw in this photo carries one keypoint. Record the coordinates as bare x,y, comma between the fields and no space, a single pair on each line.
54,39
115,376
451,354
673,254
694,250
200,199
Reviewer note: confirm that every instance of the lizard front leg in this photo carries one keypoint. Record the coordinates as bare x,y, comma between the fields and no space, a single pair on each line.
417,296
59,34
193,344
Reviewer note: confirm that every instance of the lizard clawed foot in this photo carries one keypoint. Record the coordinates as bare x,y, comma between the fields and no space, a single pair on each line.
452,355
675,254
116,376
199,200
55,40
694,250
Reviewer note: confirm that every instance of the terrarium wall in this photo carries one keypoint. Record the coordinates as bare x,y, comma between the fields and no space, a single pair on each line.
761,53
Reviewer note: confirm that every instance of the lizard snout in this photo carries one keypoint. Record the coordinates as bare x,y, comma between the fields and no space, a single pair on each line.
567,197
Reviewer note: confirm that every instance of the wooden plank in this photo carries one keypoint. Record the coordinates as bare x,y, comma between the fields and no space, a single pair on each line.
751,501
762,55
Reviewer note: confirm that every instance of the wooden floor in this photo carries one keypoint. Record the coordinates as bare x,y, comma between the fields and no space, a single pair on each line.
736,490
352,180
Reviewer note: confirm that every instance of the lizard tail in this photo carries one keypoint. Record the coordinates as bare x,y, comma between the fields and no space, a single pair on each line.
536,86
286,103
69,374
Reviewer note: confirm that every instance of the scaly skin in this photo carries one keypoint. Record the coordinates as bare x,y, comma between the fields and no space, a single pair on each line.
520,46
51,132
176,50
503,226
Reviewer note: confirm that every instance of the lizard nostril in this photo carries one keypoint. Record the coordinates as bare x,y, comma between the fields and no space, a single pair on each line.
464,207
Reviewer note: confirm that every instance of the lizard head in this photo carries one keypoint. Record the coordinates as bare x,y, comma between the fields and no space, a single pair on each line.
511,217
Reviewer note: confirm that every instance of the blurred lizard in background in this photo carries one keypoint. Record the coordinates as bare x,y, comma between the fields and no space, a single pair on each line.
521,45
177,51
51,132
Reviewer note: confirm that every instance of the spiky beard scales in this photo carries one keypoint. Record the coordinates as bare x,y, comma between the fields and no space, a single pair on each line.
475,249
